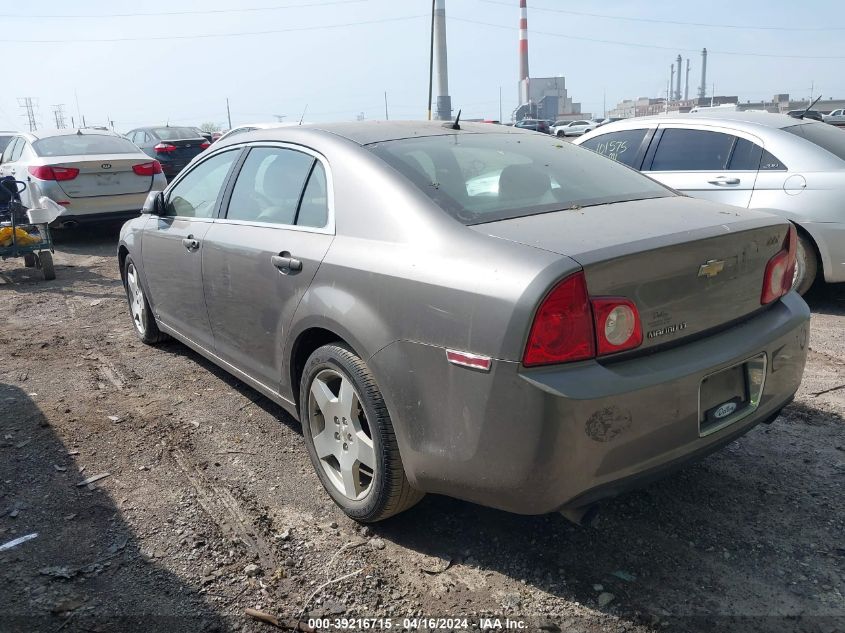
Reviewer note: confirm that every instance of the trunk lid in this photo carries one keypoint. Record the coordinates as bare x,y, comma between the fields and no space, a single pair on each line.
103,175
689,265
185,150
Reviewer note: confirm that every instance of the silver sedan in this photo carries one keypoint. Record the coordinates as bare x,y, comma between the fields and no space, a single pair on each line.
476,311
792,167
94,174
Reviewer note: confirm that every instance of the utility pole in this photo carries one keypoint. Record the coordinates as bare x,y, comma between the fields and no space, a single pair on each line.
228,113
386,113
29,112
500,104
604,104
431,63
59,115
78,111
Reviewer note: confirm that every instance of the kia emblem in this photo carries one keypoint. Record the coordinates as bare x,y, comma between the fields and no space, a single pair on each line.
106,165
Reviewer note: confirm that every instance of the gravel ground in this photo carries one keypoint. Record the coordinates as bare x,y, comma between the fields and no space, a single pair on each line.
210,505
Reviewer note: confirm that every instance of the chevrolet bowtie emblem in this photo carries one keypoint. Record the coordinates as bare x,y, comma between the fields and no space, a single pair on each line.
712,268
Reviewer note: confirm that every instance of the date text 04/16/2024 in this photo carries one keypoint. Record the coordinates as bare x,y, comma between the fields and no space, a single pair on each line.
412,624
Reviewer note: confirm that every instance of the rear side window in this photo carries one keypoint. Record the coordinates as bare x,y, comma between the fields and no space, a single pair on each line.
746,156
770,162
623,146
83,144
270,185
826,136
196,194
314,208
692,150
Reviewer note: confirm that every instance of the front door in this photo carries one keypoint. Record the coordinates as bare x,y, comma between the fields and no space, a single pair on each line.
260,259
706,164
173,248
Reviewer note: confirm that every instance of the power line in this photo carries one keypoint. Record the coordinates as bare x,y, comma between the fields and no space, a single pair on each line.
675,22
173,13
214,35
653,46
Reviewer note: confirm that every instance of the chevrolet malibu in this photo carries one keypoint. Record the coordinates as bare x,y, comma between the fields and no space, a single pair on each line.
475,311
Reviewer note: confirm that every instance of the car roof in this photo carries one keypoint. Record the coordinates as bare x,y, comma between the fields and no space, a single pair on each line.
764,119
369,132
39,134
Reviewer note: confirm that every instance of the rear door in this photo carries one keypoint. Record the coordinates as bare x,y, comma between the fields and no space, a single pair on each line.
705,162
173,247
260,259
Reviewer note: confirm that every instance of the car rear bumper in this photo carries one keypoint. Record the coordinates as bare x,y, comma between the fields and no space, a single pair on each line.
533,441
101,208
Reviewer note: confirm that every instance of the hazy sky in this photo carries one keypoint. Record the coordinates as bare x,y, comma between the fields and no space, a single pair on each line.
313,53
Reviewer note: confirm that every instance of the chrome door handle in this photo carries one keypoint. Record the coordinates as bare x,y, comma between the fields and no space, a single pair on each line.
285,263
721,181
190,243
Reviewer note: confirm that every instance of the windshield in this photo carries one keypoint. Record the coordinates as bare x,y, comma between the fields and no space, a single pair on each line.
825,136
176,133
75,144
4,141
480,178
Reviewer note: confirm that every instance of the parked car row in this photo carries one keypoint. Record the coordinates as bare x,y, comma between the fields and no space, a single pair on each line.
94,174
794,168
627,328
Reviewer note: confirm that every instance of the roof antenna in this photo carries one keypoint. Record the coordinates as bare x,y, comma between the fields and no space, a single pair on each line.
456,124
804,113
303,114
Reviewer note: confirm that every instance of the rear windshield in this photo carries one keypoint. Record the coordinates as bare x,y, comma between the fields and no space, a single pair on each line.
73,144
4,141
480,178
825,136
176,133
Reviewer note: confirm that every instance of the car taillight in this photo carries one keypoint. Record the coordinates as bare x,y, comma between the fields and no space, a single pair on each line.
205,145
147,169
164,148
42,172
617,325
563,326
780,270
570,325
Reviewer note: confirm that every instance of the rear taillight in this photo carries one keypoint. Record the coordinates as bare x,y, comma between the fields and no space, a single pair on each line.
147,169
164,148
205,145
780,270
570,325
42,172
617,325
563,326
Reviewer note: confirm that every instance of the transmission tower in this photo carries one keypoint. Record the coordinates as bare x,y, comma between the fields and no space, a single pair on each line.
29,107
59,115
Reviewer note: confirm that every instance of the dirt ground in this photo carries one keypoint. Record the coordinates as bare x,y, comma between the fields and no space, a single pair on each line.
211,506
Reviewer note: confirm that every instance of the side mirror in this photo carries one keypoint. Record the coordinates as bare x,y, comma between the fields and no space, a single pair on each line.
154,204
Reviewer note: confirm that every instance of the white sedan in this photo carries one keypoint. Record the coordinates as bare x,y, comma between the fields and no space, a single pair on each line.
573,128
837,117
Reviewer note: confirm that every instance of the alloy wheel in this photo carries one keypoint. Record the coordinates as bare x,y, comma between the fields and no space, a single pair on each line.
341,434
136,298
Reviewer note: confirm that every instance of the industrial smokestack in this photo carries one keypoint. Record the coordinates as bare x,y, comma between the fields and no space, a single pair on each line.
678,81
670,92
686,83
523,52
444,101
702,89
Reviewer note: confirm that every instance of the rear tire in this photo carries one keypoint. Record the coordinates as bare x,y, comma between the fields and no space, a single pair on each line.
145,324
350,437
806,265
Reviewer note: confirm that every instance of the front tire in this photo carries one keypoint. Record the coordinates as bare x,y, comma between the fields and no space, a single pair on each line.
145,324
806,266
350,437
